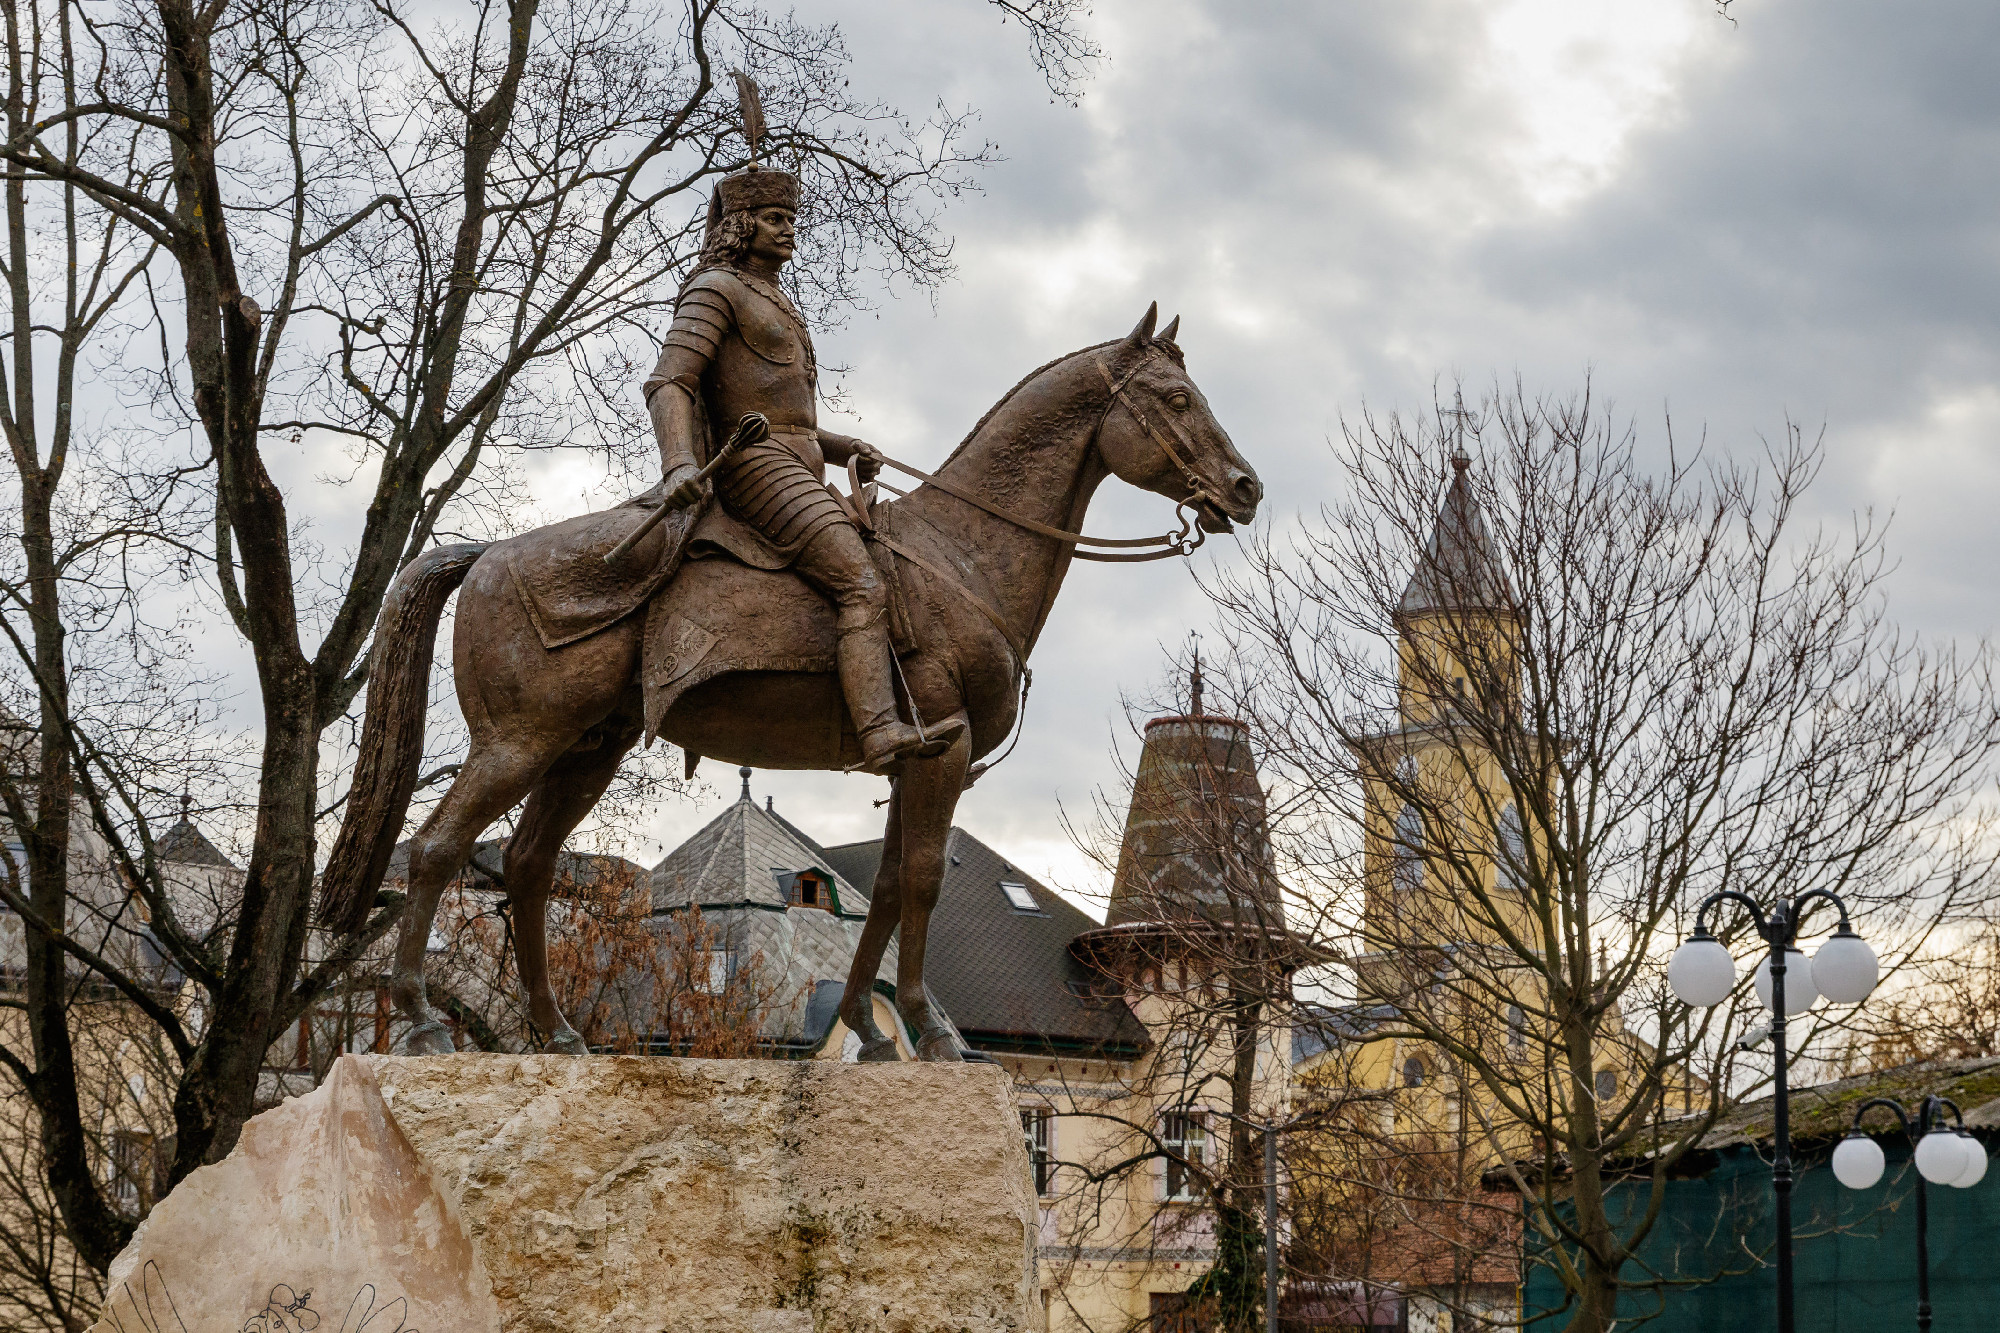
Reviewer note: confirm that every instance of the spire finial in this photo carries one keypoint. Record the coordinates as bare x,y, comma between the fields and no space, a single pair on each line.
186,800
1194,678
744,773
1460,460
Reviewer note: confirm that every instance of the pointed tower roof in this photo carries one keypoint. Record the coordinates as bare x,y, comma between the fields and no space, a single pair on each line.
1459,569
745,857
187,845
1197,840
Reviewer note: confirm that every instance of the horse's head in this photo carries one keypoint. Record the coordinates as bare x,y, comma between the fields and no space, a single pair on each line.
1157,432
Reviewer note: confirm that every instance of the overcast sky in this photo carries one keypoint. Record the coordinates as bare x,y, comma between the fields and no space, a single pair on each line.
1788,215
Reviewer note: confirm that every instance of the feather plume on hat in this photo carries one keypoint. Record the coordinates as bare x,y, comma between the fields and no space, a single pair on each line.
752,107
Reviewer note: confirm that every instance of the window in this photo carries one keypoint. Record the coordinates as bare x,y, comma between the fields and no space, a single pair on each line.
715,967
1512,863
131,1171
1038,1130
1517,1032
1019,897
1607,1084
1184,1137
806,888
1413,1073
1408,851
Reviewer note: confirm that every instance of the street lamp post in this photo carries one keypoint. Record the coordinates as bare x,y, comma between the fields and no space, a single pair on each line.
1844,970
1943,1157
1270,1129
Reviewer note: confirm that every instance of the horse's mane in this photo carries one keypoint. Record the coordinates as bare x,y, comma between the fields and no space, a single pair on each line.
1008,397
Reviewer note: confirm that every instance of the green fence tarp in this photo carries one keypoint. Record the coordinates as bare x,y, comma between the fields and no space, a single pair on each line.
1854,1253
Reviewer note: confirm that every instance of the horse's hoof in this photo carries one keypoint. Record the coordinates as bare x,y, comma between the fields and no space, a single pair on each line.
431,1038
939,1049
880,1051
567,1042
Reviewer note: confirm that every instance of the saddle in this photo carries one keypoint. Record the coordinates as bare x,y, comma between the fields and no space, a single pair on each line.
688,575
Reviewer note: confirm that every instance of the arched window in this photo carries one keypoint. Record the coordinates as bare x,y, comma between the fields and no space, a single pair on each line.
1408,850
1413,1073
1517,1031
1607,1084
1511,865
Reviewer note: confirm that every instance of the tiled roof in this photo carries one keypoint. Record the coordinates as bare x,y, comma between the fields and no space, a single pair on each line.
185,844
734,869
1005,976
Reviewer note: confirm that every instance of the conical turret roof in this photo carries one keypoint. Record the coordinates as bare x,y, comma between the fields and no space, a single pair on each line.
1197,840
1459,568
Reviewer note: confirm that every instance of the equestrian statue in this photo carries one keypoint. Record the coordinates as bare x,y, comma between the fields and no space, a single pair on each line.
742,609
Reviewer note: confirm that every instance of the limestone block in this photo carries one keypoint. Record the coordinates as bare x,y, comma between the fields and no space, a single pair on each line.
745,1196
323,1218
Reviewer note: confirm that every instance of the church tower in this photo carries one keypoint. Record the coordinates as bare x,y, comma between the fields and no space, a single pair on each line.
1435,797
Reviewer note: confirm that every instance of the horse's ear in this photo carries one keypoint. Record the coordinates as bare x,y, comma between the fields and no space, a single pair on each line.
1142,332
1173,327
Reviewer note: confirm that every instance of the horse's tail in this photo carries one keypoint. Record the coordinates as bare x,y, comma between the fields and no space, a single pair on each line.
392,733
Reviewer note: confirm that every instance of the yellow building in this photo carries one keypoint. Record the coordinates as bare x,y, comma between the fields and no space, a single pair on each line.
1447,1051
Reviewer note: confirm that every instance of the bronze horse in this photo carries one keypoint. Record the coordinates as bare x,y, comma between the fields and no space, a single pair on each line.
551,725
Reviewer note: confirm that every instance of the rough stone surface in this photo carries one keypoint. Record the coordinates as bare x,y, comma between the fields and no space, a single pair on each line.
323,1217
612,1193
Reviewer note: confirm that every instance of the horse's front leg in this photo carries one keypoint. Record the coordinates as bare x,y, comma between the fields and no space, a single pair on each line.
929,791
556,805
885,909
493,778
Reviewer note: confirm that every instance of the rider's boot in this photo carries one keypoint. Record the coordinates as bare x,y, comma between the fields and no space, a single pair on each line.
886,740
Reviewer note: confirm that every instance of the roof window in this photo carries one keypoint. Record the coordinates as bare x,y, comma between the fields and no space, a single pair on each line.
1019,896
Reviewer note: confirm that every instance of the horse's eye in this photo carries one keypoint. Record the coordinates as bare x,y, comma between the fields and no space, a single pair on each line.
1178,400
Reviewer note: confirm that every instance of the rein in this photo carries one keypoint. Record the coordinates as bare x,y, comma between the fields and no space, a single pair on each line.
1184,542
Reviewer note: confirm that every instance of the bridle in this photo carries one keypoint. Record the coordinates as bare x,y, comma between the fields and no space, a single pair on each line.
1184,542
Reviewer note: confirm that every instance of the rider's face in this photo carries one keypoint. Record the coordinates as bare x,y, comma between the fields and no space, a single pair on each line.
773,241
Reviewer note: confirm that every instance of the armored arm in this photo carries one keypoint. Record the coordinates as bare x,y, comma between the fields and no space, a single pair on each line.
673,390
837,449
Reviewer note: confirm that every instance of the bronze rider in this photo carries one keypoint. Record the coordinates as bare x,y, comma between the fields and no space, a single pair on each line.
738,345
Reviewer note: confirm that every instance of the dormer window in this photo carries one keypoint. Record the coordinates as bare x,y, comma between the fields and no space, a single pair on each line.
807,888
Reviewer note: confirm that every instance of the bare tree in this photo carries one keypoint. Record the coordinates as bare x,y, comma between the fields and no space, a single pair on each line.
437,238
1527,699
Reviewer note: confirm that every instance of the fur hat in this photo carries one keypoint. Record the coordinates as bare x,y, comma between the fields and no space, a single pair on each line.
754,188
750,189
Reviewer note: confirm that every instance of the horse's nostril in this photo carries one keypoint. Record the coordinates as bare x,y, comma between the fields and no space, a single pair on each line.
1248,492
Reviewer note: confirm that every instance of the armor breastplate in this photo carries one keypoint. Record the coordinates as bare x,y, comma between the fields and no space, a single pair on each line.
764,364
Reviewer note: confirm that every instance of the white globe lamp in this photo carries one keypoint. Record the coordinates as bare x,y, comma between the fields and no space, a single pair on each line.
1799,992
1844,968
1975,1162
1702,973
1858,1161
1942,1158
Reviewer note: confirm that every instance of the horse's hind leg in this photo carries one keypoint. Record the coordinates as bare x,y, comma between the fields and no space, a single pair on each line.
928,791
494,777
557,803
885,910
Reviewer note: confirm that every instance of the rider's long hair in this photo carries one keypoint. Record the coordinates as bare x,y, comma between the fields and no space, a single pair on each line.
727,244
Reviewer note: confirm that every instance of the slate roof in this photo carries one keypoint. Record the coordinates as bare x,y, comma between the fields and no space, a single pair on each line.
1007,977
1321,1027
184,843
1458,568
735,869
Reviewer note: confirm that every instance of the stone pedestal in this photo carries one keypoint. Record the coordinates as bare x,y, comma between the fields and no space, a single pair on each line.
639,1195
